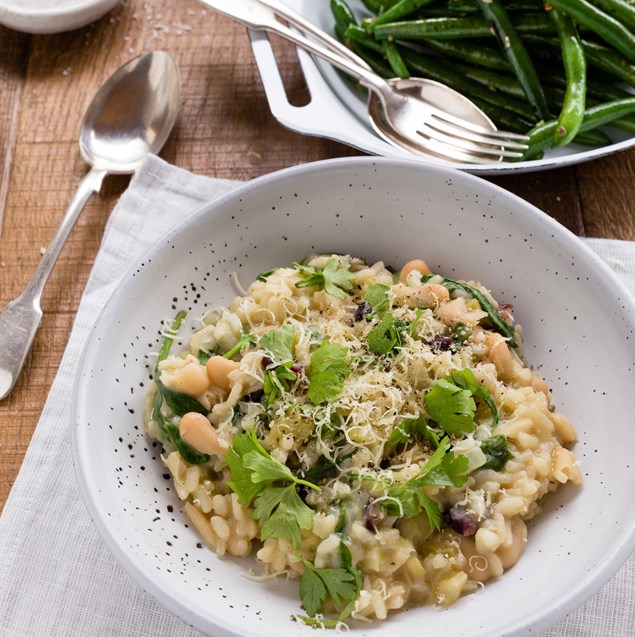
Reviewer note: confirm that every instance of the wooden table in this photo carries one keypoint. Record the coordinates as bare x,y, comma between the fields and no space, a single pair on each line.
224,130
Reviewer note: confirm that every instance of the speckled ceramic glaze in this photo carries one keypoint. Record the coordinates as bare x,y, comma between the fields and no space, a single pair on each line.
578,324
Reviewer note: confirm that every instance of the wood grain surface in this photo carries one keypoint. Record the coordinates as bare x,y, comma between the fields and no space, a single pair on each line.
225,130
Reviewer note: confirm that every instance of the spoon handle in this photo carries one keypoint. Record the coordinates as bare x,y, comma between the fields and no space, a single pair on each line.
21,317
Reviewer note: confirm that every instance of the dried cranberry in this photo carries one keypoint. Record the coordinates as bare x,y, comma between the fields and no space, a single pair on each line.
267,362
462,520
374,513
441,343
254,397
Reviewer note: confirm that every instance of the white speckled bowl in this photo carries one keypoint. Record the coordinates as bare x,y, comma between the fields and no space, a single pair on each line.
579,325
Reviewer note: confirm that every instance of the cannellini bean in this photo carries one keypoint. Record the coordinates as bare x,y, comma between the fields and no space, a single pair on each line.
500,356
428,295
416,264
563,427
218,370
190,378
509,553
456,311
540,384
197,431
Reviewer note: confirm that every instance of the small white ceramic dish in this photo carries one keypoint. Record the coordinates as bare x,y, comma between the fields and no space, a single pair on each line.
52,16
579,327
338,111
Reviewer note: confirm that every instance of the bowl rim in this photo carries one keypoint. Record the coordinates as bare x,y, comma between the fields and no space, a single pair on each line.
584,589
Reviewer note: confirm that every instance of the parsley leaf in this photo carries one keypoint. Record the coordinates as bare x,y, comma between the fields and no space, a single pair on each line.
465,379
279,343
254,471
377,297
407,498
328,372
451,407
277,380
317,583
411,427
335,279
284,513
386,335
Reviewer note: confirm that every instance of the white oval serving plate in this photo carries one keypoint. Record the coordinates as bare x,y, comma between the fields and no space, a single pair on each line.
579,326
337,109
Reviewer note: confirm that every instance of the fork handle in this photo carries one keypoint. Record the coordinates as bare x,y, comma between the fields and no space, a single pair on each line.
21,317
257,14
308,28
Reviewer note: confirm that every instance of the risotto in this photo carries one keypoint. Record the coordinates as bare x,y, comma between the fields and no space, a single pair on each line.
377,436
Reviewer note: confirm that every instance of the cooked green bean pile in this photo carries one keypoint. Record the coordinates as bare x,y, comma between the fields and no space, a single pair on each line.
555,70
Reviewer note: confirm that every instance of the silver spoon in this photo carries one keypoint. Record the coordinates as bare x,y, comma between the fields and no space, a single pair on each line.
131,116
419,115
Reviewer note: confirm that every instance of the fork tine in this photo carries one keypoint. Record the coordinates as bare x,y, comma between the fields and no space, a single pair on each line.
472,142
426,145
449,128
430,132
475,128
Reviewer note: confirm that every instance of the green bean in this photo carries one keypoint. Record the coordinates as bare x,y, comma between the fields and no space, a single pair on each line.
570,118
607,27
513,47
594,137
378,6
495,82
343,18
398,11
541,136
343,15
503,118
471,6
357,34
472,52
463,27
395,60
436,70
377,63
621,10
597,55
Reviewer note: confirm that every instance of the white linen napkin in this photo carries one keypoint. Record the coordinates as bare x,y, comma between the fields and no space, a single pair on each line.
57,578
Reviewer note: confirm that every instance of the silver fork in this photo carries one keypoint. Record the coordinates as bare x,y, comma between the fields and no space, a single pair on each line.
423,116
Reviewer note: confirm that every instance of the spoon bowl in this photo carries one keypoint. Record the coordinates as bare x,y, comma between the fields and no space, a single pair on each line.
116,137
131,116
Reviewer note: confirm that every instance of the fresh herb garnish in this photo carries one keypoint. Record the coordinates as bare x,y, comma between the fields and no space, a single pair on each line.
341,585
497,453
254,473
328,372
409,428
335,279
452,407
278,380
384,337
279,342
376,296
407,499
465,379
